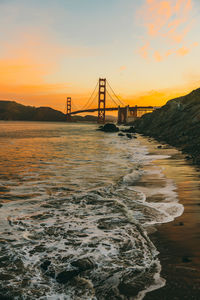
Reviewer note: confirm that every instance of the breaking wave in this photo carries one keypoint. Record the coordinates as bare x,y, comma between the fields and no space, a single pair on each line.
85,239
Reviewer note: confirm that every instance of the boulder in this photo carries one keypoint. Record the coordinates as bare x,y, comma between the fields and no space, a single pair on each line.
109,127
186,259
188,157
129,136
50,272
45,265
67,275
4,297
129,130
83,264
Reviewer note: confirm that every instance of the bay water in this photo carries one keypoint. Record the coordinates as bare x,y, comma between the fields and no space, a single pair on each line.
74,216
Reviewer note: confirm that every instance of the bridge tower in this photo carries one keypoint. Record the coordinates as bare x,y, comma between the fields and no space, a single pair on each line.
102,101
123,115
69,109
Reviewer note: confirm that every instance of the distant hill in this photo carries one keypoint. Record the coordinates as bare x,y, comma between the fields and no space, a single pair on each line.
13,111
177,123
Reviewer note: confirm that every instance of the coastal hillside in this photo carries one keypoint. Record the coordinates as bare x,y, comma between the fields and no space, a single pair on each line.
177,123
13,111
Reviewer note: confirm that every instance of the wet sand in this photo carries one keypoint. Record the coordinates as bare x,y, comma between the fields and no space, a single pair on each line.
179,241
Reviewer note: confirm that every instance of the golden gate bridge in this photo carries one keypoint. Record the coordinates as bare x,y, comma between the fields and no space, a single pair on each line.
107,100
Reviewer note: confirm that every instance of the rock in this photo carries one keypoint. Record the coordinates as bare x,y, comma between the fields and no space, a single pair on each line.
50,272
19,266
45,265
109,127
4,261
188,157
126,246
179,224
121,134
129,136
186,259
128,289
65,276
177,123
6,276
36,249
83,264
129,130
25,282
104,224
4,297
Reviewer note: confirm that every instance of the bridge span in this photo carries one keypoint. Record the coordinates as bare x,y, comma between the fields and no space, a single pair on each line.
141,108
126,113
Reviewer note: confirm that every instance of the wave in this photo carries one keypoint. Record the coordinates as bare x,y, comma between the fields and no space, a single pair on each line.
91,244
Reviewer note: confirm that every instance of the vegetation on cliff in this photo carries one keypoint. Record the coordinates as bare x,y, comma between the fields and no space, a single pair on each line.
177,123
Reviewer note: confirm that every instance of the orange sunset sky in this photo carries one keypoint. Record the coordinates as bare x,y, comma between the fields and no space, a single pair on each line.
147,49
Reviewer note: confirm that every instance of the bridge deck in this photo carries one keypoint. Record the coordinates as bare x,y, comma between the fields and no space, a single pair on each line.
141,108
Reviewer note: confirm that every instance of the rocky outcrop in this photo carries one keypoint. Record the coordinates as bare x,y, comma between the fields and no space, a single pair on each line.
83,264
67,275
177,123
129,130
109,127
79,265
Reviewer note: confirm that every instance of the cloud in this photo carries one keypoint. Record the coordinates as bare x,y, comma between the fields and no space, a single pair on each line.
144,50
167,24
157,56
122,68
183,51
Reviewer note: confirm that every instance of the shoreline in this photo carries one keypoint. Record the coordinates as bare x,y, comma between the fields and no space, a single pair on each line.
177,241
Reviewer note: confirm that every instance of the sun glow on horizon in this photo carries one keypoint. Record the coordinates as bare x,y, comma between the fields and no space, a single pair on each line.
149,50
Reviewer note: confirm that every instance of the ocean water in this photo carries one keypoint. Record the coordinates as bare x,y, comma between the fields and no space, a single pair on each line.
74,214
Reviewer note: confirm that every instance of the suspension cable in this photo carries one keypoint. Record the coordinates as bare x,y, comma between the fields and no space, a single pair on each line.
112,98
121,102
91,102
94,99
74,105
90,97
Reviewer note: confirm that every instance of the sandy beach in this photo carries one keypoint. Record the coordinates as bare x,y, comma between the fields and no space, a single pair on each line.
178,241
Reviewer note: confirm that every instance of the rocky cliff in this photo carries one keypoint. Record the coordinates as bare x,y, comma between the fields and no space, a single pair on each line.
177,123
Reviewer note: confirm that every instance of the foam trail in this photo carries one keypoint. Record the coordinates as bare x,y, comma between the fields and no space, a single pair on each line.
60,215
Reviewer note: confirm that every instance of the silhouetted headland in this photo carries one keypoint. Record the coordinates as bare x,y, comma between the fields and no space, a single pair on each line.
177,123
13,111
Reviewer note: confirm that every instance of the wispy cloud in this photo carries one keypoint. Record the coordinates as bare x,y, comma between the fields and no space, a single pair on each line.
144,50
167,24
122,68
